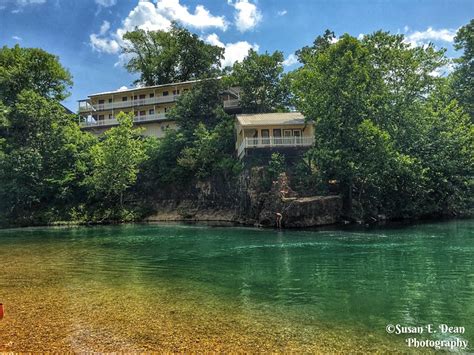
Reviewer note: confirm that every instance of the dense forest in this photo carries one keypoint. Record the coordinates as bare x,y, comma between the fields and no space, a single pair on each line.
394,128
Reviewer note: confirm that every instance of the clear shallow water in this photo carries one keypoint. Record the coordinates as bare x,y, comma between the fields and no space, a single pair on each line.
182,287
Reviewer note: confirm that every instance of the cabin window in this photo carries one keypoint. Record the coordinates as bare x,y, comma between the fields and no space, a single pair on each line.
287,133
110,116
124,98
151,111
142,97
175,92
297,132
110,101
165,93
101,102
166,109
152,95
101,117
142,113
277,133
255,134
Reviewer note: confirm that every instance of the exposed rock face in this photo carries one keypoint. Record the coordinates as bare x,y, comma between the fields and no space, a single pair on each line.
283,205
248,201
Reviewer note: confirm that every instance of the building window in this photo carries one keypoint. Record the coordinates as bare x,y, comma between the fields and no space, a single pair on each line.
277,133
110,101
166,109
142,113
124,98
135,97
151,111
142,97
101,102
176,92
110,116
135,113
152,95
101,117
297,132
165,93
185,90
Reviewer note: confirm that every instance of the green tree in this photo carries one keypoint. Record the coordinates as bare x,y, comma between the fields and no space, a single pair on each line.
202,104
176,55
31,69
45,158
264,86
372,101
463,76
116,161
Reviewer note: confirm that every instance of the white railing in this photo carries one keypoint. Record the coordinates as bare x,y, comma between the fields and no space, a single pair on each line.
86,106
271,142
231,103
113,121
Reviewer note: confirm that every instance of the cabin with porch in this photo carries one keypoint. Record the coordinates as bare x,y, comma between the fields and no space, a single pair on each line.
285,132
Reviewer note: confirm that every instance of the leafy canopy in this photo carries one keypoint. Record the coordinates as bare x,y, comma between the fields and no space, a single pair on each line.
177,55
263,84
31,69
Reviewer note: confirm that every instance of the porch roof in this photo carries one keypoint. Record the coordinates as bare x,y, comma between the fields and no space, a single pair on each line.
271,119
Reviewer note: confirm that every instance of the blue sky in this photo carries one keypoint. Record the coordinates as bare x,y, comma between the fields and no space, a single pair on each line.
86,34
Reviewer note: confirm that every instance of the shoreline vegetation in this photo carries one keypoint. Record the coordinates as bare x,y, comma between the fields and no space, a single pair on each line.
394,136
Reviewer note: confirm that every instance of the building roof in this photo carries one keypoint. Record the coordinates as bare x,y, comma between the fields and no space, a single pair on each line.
143,88
270,119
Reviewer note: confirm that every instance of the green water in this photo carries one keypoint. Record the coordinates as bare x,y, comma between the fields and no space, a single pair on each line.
351,282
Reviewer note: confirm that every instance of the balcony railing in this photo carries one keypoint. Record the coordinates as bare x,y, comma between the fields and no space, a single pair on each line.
272,142
231,103
114,122
85,106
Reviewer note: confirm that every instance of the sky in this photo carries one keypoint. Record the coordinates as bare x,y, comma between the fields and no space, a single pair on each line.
86,35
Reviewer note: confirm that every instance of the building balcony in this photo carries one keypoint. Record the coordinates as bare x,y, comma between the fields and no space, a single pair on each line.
86,106
231,104
113,121
273,142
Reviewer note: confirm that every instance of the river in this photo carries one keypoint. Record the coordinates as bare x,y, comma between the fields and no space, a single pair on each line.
173,287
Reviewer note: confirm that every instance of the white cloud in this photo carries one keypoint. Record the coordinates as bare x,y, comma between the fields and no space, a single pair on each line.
418,38
444,70
247,15
233,51
282,13
290,60
19,4
122,88
151,17
106,3
104,28
28,2
106,45
201,18
17,38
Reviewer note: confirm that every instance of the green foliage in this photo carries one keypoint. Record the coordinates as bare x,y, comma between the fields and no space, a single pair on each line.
378,110
116,161
44,160
31,69
264,86
202,148
176,55
202,104
276,166
463,76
